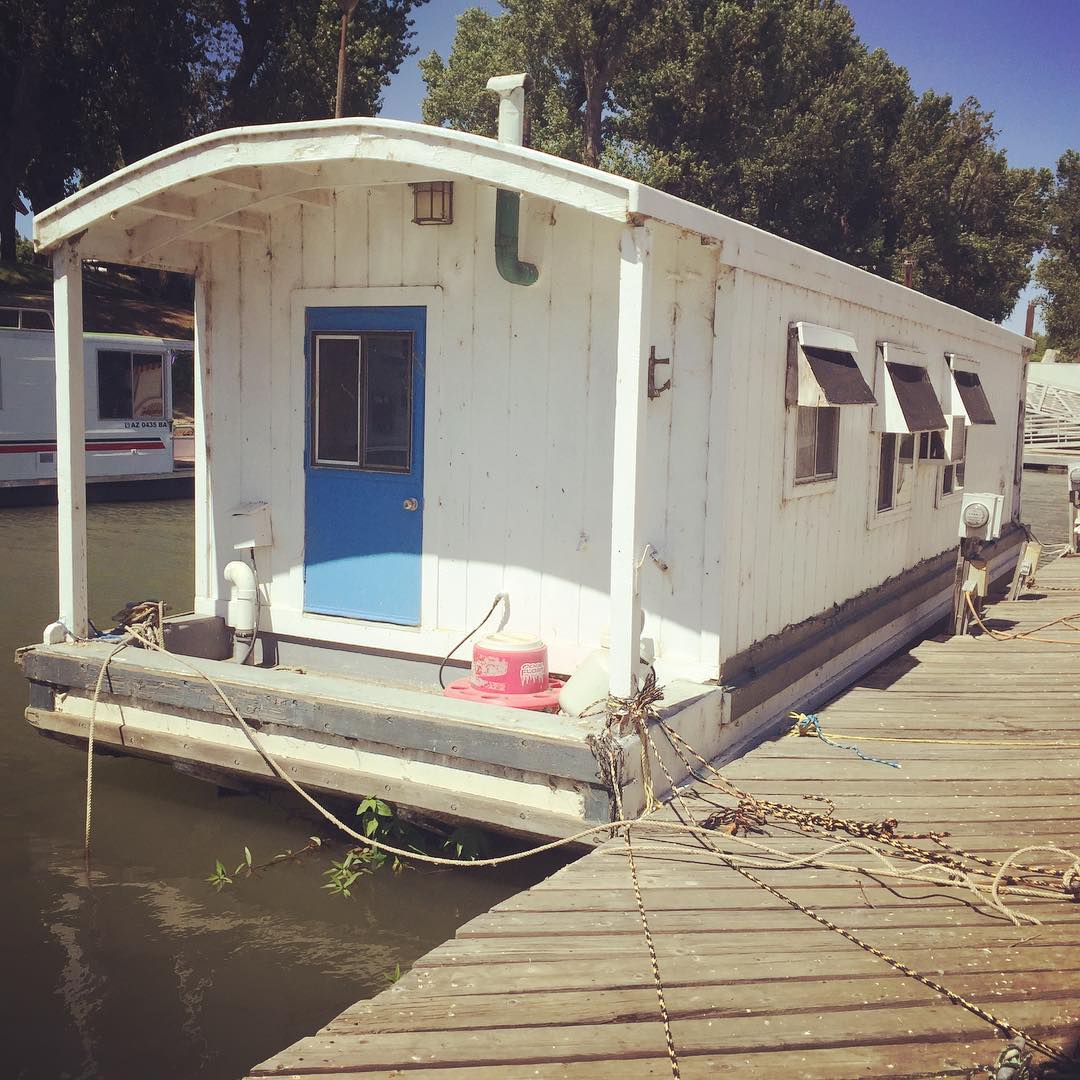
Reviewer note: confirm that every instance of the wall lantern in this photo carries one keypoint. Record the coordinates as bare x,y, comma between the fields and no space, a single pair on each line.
433,203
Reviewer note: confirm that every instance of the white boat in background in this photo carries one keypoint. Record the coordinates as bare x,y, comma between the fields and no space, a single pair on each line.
128,408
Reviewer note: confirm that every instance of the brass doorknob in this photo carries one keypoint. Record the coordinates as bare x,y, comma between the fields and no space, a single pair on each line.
411,504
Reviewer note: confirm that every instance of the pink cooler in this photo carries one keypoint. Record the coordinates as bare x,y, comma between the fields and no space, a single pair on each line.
509,664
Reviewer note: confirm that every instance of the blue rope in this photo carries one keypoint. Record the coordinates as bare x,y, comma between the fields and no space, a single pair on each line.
810,720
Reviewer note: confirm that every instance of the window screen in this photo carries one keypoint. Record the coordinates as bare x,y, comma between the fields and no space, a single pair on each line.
362,407
973,396
886,472
816,442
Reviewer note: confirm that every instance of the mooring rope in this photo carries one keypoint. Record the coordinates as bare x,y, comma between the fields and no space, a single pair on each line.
997,1022
809,724
123,644
654,964
692,827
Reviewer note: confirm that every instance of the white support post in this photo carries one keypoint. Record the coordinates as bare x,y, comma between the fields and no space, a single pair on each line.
631,395
204,512
70,437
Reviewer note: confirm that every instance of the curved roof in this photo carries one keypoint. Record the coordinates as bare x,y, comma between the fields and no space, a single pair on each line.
284,160
159,211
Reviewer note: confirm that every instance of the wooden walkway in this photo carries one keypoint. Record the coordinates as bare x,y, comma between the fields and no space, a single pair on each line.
555,982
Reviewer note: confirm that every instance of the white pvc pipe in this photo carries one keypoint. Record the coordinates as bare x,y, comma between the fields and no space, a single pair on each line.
241,612
511,90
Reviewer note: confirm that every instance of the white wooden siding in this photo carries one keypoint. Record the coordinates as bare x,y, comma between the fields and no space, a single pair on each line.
519,415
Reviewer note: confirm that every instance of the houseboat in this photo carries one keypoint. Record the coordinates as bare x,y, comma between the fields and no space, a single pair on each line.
127,398
440,376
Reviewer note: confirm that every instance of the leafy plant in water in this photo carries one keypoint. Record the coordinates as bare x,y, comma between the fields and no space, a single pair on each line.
220,877
344,872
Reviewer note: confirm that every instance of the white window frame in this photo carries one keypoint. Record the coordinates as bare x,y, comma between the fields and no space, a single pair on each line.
131,354
900,509
958,431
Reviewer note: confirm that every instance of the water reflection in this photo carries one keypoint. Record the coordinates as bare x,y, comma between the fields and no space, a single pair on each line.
150,972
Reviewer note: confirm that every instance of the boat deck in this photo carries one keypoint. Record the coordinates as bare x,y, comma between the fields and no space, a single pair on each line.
556,981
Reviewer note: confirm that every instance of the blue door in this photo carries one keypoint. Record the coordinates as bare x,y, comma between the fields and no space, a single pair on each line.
364,462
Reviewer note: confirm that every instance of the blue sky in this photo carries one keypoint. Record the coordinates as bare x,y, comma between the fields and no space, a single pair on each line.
1020,59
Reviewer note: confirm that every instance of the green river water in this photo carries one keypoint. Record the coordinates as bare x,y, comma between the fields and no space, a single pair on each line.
150,972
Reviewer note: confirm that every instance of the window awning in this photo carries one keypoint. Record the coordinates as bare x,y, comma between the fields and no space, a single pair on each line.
822,369
972,402
908,398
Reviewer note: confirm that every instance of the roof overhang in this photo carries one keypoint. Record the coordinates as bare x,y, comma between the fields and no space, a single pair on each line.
159,211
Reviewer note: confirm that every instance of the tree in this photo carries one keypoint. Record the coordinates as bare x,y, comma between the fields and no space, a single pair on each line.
276,60
87,86
969,222
1058,271
574,49
771,111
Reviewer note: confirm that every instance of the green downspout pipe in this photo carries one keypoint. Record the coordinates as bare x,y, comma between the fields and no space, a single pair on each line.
507,228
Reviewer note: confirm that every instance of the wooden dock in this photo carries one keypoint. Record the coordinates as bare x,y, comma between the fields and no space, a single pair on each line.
556,981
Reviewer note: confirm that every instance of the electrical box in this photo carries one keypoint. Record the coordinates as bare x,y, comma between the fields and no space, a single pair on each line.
1072,478
251,522
980,516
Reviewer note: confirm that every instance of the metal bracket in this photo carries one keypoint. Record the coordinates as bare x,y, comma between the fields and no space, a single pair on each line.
654,390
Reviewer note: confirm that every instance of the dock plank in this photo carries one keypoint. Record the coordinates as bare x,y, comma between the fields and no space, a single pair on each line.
556,981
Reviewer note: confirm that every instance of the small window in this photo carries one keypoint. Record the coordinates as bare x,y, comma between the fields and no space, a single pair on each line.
896,471
33,319
9,318
130,385
816,444
362,404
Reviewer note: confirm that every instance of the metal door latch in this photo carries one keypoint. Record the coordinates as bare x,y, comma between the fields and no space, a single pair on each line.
411,504
654,390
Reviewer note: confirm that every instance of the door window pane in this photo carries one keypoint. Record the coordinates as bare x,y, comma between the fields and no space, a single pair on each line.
114,385
147,387
387,402
337,380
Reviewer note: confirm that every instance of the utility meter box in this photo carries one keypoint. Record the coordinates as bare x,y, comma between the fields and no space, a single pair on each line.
980,516
252,523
